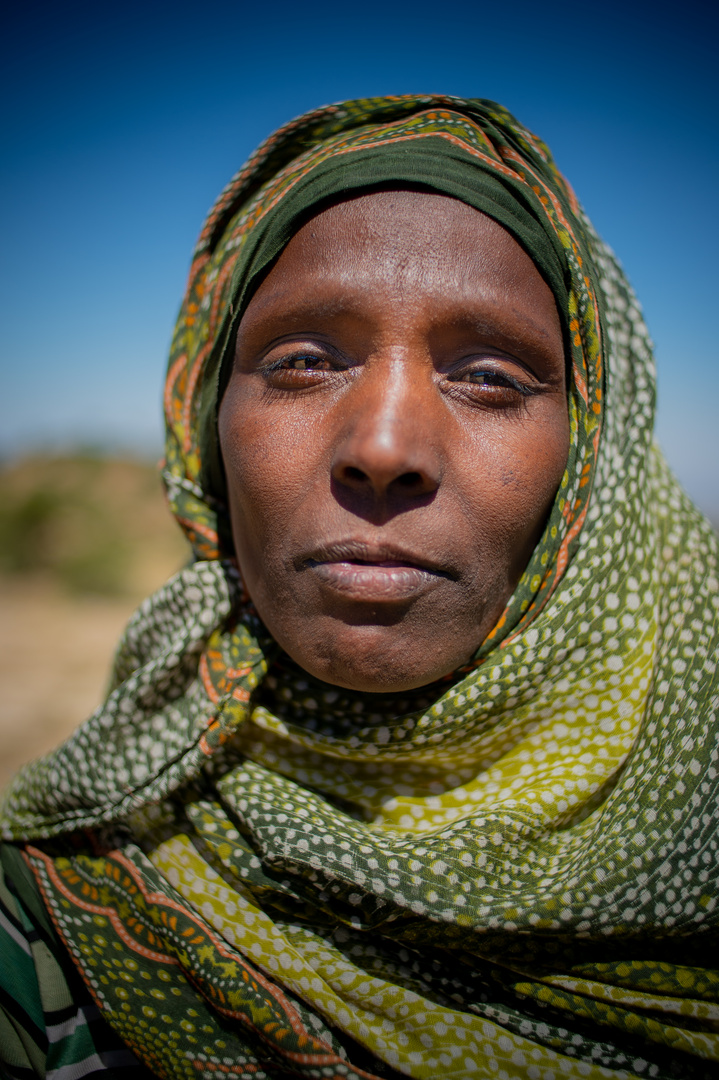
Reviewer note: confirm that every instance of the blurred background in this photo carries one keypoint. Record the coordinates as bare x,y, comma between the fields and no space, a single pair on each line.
122,124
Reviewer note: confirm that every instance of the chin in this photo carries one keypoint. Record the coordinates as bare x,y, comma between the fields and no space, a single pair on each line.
374,681
378,669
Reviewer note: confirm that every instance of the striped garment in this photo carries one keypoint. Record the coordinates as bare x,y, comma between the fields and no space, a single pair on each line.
49,1023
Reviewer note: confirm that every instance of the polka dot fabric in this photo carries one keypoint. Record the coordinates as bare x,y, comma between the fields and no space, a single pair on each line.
510,875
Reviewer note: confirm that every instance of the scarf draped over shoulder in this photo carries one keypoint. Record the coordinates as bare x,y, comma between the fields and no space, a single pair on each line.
514,875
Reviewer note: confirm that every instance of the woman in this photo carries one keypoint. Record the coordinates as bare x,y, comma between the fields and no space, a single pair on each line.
430,789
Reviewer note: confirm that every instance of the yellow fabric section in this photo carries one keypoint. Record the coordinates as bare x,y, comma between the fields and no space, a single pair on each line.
548,766
399,1026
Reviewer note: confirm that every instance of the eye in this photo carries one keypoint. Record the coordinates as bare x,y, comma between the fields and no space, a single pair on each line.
293,366
493,384
300,362
492,378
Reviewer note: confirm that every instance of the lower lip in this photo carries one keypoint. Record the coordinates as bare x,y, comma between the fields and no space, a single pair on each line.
375,582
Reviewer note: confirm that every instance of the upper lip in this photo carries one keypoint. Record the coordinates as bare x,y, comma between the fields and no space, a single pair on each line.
374,553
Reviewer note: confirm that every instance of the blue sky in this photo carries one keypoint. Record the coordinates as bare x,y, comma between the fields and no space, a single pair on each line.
124,123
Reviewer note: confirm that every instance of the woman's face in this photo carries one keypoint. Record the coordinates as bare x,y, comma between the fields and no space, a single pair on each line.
394,431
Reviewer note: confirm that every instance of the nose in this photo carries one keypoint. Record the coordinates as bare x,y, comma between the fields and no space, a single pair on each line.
388,443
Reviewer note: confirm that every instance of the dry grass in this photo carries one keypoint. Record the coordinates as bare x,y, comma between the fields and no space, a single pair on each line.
82,540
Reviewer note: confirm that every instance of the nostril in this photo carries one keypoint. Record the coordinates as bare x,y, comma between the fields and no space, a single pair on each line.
409,480
412,482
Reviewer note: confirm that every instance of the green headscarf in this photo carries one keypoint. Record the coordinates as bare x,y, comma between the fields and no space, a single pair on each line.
515,878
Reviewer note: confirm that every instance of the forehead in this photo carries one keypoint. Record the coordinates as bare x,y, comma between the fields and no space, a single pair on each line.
419,227
421,248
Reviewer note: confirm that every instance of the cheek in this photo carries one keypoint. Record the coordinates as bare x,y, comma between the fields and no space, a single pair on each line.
511,477
268,464
540,460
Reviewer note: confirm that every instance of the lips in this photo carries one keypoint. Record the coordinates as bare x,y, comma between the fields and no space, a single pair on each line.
372,572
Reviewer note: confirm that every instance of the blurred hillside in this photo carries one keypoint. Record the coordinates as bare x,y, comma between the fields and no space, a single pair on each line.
83,539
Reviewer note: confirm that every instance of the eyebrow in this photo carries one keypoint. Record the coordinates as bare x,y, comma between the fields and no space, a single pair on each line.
313,308
485,327
310,309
